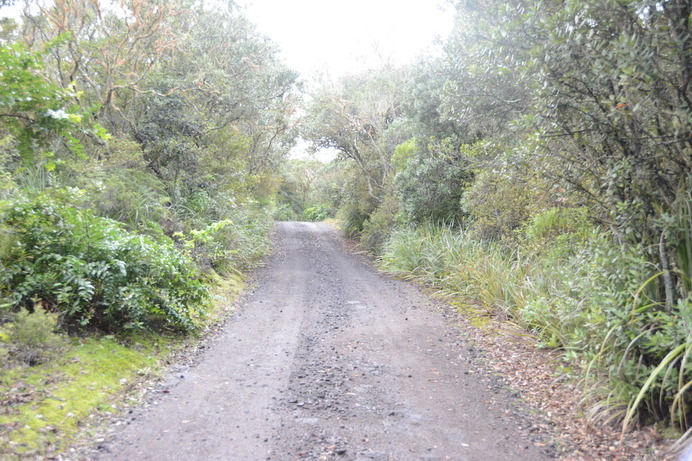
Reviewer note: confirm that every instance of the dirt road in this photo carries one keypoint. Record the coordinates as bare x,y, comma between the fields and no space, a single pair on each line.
328,359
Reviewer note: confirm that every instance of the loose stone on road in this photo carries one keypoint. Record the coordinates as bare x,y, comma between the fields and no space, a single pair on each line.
327,359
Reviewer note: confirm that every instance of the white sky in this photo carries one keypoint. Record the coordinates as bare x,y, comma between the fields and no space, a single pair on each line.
345,36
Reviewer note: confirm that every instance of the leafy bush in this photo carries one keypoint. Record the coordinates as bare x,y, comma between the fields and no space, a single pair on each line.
93,272
378,229
33,337
353,219
610,314
230,244
556,233
497,204
432,182
317,213
358,201
284,212
132,197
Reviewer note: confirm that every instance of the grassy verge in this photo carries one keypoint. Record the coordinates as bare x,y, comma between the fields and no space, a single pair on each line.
596,304
44,407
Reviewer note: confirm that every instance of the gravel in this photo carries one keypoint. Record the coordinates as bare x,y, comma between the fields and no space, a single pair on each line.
327,359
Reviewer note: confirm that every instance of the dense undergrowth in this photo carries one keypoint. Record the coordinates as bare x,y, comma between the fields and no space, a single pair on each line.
90,309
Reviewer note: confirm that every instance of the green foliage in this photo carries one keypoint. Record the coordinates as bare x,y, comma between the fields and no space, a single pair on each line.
498,204
555,234
425,106
284,212
170,137
300,193
432,182
357,119
199,121
317,213
403,153
93,272
32,336
380,225
678,224
229,245
133,197
353,218
356,203
455,262
608,311
32,108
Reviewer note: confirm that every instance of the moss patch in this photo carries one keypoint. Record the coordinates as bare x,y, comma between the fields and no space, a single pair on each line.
43,407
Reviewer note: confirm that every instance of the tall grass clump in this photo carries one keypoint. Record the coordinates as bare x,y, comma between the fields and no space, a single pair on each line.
458,264
596,300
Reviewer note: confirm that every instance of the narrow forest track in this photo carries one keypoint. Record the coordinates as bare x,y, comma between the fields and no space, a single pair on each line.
327,359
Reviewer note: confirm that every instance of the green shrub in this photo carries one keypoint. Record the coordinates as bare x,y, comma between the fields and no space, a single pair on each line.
284,212
556,233
431,182
247,240
231,244
377,229
609,306
403,253
132,197
317,213
353,219
497,204
93,272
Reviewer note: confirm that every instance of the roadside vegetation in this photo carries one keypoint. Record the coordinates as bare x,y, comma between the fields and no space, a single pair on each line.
539,170
139,148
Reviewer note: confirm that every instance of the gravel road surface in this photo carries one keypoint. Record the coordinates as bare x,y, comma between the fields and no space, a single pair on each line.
327,359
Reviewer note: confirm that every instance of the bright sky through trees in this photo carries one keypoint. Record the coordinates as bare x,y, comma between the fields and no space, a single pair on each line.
343,36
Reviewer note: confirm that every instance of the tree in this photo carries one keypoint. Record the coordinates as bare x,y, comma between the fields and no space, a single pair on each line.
615,98
357,118
33,109
106,50
432,182
486,84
